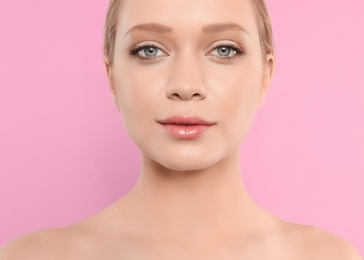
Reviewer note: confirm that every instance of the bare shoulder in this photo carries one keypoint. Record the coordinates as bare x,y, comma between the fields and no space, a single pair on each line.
37,245
60,243
315,243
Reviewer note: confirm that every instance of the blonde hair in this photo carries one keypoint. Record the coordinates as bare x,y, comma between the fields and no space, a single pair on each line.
263,21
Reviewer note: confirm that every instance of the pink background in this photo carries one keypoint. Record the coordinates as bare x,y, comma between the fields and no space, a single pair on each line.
64,154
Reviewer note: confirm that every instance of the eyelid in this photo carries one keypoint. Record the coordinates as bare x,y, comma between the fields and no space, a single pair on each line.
225,43
137,48
239,51
236,47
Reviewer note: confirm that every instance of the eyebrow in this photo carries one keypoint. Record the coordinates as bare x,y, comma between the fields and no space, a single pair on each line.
209,28
221,27
151,27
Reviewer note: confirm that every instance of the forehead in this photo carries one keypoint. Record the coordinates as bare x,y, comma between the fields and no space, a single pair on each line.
187,15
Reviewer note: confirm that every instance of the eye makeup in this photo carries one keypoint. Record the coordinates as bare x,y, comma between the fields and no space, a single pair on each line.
236,51
141,49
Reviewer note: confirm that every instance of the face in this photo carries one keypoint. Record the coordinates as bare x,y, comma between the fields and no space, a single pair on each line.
188,62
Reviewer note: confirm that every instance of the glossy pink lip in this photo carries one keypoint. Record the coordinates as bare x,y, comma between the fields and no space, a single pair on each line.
185,127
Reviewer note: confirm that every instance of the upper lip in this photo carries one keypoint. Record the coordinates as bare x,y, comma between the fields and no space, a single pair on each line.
185,120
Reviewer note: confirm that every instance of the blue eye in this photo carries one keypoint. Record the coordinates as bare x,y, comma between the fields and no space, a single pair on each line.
227,52
150,52
146,52
224,51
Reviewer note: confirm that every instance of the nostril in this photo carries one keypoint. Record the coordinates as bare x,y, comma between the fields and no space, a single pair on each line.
197,95
186,92
177,96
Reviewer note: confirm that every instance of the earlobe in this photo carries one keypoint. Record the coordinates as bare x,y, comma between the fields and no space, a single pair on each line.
111,82
268,74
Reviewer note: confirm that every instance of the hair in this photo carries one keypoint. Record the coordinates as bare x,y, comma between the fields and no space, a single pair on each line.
262,17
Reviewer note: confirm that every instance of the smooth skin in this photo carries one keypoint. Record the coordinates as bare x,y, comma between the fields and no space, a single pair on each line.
190,201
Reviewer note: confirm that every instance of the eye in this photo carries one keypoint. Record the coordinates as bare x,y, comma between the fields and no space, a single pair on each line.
226,52
147,52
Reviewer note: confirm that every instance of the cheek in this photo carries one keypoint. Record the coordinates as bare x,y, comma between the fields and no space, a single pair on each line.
131,89
236,97
139,95
236,88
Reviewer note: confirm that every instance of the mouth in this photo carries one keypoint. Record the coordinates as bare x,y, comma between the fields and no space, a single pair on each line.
185,121
185,127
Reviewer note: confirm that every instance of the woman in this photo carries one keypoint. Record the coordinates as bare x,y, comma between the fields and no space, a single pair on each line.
187,77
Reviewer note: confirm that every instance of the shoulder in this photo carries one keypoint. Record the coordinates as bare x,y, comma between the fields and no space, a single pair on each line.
60,243
37,245
315,243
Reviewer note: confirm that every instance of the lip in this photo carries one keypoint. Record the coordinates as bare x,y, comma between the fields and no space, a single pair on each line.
185,127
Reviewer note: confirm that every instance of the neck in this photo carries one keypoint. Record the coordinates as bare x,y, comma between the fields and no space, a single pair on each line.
195,203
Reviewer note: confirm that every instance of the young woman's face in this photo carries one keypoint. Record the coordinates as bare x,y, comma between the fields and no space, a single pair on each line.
188,62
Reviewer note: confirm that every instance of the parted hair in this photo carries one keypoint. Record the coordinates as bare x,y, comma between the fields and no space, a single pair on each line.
262,18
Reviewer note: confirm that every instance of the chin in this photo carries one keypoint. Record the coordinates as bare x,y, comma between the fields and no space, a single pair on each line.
189,162
184,156
184,166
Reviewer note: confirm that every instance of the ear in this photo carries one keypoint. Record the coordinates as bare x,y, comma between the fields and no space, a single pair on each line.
110,76
268,74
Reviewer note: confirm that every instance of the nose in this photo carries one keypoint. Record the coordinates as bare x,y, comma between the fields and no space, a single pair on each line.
186,80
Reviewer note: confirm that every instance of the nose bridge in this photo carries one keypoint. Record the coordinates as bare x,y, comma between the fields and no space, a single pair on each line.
186,78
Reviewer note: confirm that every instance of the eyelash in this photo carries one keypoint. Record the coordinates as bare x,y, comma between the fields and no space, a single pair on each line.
135,51
238,52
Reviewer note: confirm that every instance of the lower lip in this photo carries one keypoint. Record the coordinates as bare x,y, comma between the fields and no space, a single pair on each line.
185,132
